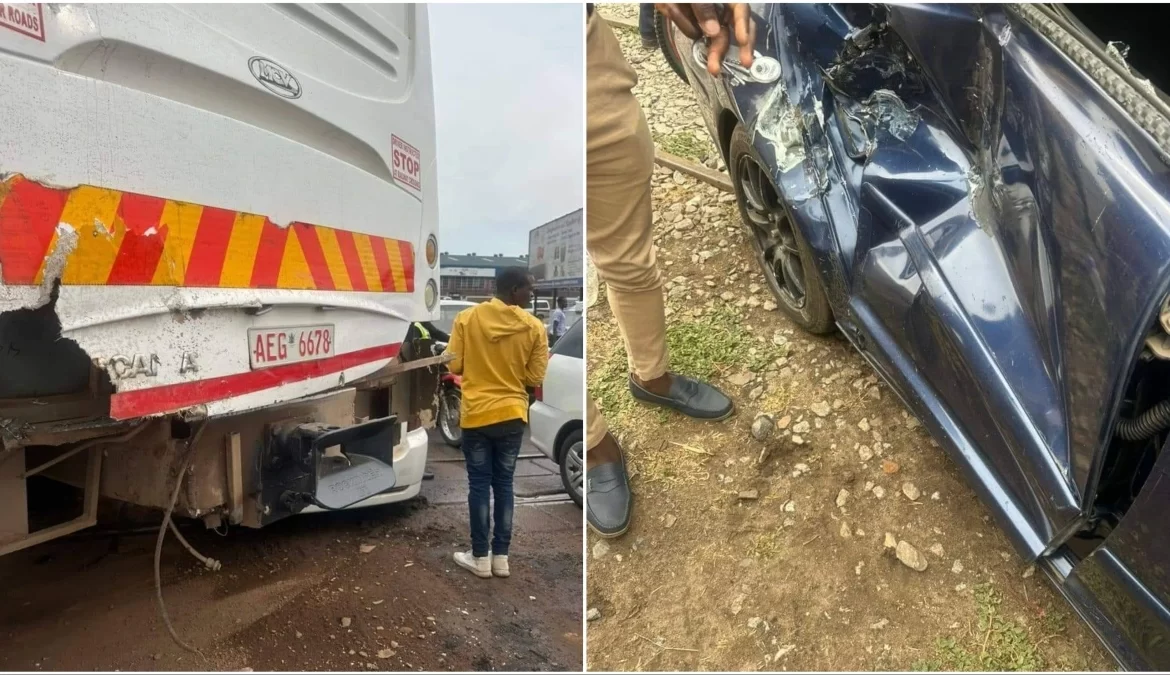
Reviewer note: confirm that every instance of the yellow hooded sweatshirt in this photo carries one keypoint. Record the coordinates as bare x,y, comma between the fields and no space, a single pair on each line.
499,350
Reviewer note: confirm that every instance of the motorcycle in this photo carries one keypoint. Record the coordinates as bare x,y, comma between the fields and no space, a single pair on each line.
450,400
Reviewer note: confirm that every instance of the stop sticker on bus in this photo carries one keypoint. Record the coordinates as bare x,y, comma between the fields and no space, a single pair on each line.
406,163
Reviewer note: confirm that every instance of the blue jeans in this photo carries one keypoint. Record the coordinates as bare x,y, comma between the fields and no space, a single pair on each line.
491,454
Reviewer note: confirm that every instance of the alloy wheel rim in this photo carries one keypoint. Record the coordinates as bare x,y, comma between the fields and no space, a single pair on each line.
775,241
574,467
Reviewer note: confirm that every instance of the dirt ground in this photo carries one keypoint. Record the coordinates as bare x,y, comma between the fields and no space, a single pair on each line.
301,595
746,555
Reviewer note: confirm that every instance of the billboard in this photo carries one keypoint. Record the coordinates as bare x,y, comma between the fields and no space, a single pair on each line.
555,252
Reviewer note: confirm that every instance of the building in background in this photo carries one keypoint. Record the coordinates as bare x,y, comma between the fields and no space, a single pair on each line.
473,276
555,256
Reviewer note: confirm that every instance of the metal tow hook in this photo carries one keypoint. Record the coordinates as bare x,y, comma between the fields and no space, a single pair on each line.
764,69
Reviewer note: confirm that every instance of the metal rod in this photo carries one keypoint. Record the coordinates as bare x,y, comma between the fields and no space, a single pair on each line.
534,455
85,446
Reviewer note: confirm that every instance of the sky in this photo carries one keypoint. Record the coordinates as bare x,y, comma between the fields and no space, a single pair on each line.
509,101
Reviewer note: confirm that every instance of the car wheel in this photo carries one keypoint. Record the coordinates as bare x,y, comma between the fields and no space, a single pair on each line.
449,429
781,250
666,44
572,454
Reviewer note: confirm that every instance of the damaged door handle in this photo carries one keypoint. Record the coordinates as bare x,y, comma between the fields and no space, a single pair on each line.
764,69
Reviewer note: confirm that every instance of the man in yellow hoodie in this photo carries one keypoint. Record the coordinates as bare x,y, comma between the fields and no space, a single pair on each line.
501,351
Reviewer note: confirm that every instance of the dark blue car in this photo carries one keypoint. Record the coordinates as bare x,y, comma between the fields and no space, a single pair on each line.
977,197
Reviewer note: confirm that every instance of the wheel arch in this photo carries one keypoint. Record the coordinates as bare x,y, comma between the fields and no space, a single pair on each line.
566,429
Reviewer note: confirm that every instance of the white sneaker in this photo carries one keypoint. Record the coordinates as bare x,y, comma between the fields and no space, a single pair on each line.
480,567
500,566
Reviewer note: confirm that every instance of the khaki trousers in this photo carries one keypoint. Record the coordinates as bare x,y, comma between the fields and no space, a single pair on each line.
619,230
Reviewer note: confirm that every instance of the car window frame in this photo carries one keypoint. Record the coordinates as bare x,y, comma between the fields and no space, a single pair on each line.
573,339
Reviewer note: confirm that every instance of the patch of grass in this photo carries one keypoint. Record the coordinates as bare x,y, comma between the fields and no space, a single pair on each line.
712,344
683,144
764,546
999,644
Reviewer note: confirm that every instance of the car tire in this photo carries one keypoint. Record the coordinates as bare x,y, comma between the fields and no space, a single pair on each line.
450,399
811,311
571,456
666,44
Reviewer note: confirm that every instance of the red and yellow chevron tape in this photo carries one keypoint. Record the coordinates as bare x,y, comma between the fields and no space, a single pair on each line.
125,238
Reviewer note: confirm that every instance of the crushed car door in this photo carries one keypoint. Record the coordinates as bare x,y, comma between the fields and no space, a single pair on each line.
925,160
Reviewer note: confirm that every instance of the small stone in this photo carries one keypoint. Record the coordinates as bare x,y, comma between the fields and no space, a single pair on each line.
790,506
1030,571
769,306
754,622
600,549
593,614
749,494
737,604
740,379
868,485
891,541
846,532
762,427
935,496
727,296
911,491
670,519
957,568
838,404
366,548
756,393
913,423
385,653
910,557
863,424
300,635
346,621
797,439
890,467
880,624
937,549
842,498
960,588
865,453
801,427
784,421
821,409
857,570
879,491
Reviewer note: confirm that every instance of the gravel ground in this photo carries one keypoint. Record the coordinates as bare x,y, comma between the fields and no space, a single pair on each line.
845,539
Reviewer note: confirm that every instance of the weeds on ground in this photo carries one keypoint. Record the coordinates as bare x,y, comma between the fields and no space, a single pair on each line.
999,644
683,144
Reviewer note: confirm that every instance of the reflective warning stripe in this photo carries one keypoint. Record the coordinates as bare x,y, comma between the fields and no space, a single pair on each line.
113,238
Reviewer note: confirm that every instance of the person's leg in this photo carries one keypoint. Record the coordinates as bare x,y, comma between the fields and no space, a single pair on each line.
620,240
506,450
620,232
646,25
477,453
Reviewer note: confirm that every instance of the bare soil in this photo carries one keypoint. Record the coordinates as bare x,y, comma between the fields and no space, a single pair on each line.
749,555
284,593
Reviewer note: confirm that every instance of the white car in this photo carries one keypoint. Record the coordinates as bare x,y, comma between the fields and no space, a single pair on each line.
447,311
556,419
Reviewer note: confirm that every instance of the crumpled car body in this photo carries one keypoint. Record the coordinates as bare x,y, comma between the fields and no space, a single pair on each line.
986,201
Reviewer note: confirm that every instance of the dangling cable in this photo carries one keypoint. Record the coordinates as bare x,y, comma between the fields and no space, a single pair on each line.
162,533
